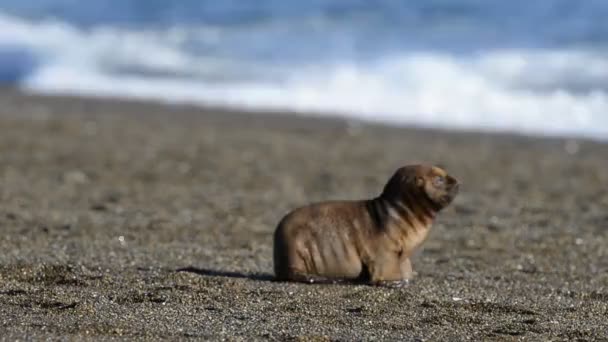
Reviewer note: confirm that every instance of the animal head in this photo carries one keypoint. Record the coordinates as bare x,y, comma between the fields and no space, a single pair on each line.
426,184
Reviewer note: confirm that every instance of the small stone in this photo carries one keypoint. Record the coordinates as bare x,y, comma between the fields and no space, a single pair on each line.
571,147
90,128
99,207
75,177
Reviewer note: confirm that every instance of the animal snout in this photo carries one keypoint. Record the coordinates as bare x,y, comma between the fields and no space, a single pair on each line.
453,185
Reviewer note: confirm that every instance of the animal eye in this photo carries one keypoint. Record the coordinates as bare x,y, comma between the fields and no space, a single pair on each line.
438,181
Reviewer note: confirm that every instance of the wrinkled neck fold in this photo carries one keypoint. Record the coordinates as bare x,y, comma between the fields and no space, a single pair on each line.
411,207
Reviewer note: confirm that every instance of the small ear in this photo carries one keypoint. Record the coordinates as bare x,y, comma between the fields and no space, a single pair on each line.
419,181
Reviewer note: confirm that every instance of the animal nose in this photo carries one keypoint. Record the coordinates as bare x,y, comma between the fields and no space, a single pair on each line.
452,181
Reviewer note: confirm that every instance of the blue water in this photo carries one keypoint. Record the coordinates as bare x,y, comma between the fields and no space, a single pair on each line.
536,67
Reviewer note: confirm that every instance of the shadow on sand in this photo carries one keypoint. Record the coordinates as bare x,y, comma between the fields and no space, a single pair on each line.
216,273
270,277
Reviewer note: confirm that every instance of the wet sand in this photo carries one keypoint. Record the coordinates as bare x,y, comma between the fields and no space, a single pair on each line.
104,201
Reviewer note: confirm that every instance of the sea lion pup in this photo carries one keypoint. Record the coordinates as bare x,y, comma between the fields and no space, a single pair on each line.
367,241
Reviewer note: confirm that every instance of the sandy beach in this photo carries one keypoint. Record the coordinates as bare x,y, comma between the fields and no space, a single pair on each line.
138,220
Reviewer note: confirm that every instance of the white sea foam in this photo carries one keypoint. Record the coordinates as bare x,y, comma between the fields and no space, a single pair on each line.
548,92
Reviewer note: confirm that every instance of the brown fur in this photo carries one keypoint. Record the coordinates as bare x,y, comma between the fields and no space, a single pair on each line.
369,240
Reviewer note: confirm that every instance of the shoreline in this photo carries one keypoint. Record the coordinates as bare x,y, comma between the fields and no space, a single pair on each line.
184,107
103,200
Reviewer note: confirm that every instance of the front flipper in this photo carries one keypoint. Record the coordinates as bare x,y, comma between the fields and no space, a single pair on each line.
395,284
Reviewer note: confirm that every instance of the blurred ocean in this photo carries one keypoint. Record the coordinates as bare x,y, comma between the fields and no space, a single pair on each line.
536,67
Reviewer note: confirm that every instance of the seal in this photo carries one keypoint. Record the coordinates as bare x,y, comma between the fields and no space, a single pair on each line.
369,241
